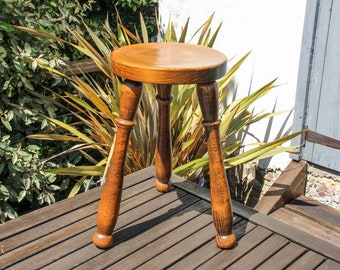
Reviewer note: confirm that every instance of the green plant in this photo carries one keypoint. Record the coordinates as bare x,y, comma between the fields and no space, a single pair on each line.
21,113
96,106
25,179
23,183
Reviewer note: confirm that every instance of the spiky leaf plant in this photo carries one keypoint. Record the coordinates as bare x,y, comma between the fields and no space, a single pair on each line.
96,106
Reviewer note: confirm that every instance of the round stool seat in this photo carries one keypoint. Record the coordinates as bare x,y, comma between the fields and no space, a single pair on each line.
168,63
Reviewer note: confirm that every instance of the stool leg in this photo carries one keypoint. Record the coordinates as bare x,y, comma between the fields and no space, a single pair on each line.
219,190
164,149
111,196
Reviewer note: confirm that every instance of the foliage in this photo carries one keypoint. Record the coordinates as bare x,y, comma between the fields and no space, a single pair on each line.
21,113
22,179
130,10
25,178
23,183
96,106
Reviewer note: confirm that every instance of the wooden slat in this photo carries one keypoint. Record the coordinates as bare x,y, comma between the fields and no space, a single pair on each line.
44,215
204,194
31,241
61,221
319,213
290,184
123,234
244,245
283,257
186,246
152,250
301,223
44,243
260,253
46,229
46,240
205,252
296,235
156,232
318,138
81,67
141,209
309,260
58,251
293,234
328,264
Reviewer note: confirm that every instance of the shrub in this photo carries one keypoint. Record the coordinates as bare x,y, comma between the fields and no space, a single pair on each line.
23,183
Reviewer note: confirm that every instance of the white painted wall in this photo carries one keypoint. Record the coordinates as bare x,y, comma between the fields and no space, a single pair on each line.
271,29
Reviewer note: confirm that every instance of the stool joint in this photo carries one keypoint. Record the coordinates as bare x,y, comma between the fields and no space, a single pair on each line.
125,123
165,100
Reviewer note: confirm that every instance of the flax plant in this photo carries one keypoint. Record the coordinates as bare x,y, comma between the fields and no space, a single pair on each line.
95,106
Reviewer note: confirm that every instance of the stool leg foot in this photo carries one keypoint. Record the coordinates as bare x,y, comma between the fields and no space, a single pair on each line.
225,242
219,190
111,196
163,159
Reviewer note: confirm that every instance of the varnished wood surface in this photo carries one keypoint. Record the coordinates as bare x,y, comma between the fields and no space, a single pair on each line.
109,205
168,63
156,231
219,191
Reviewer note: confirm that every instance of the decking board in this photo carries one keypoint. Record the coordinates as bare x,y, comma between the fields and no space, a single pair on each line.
207,251
283,257
172,230
260,253
328,264
59,231
308,261
244,245
297,221
159,245
106,259
323,214
127,227
44,215
127,220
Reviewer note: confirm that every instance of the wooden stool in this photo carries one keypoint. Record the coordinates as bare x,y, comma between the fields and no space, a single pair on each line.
166,64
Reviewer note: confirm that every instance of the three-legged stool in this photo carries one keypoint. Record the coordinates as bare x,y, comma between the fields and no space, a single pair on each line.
166,64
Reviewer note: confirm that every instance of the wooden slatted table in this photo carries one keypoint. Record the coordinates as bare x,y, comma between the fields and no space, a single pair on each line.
156,231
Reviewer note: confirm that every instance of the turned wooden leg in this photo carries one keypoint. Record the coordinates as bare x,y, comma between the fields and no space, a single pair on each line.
111,196
219,190
164,149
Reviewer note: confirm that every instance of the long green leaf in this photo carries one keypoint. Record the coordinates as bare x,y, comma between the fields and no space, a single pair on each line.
94,98
191,166
214,36
223,83
72,130
249,100
40,33
79,171
184,32
258,151
53,137
105,50
205,29
144,29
